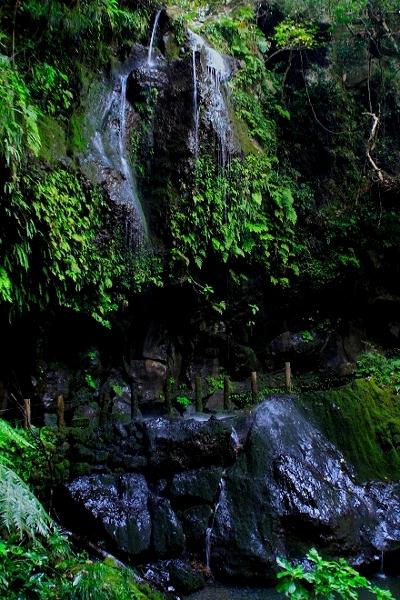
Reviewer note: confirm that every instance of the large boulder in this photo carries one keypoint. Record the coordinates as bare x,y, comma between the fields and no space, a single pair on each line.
291,489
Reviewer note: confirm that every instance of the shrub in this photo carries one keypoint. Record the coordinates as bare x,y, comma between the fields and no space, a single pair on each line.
326,579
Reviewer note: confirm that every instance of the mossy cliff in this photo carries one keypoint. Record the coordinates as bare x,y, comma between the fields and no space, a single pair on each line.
363,421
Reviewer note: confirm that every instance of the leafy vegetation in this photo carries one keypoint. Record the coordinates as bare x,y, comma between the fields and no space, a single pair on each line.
36,561
385,371
55,246
325,579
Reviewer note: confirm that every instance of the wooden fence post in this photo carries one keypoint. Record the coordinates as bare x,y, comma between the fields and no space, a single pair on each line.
254,386
27,413
60,412
198,394
288,377
227,399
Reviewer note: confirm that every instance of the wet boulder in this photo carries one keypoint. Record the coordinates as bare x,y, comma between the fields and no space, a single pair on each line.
114,508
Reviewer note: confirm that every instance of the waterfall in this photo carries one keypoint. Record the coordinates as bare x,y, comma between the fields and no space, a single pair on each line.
153,34
107,159
217,72
209,530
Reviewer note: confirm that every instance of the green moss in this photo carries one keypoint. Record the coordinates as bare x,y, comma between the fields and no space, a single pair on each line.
78,139
363,421
52,136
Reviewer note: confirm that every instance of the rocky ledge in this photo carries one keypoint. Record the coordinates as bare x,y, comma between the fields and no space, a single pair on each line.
250,488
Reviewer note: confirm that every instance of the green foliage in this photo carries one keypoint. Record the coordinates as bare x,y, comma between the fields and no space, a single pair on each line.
88,20
289,34
18,117
248,215
105,581
57,255
183,401
11,441
385,371
34,569
328,579
51,87
36,562
243,217
35,455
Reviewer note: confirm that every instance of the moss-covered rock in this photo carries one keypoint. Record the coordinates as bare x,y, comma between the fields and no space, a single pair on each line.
363,421
53,143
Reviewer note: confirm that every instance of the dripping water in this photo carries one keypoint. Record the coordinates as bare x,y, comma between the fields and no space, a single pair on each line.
153,35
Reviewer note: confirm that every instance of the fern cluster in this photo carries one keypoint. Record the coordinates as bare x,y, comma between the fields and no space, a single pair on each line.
20,511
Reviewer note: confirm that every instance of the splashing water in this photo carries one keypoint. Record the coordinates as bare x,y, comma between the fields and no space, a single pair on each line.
153,35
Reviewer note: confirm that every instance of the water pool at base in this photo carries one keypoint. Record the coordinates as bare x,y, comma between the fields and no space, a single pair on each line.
219,591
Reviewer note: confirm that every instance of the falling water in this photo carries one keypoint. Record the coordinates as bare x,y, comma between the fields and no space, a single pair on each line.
108,159
209,530
153,34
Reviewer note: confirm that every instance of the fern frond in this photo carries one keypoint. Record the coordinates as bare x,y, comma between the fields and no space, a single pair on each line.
20,511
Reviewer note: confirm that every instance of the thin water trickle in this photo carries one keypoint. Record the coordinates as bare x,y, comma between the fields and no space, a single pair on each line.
381,573
196,112
209,530
235,441
153,35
